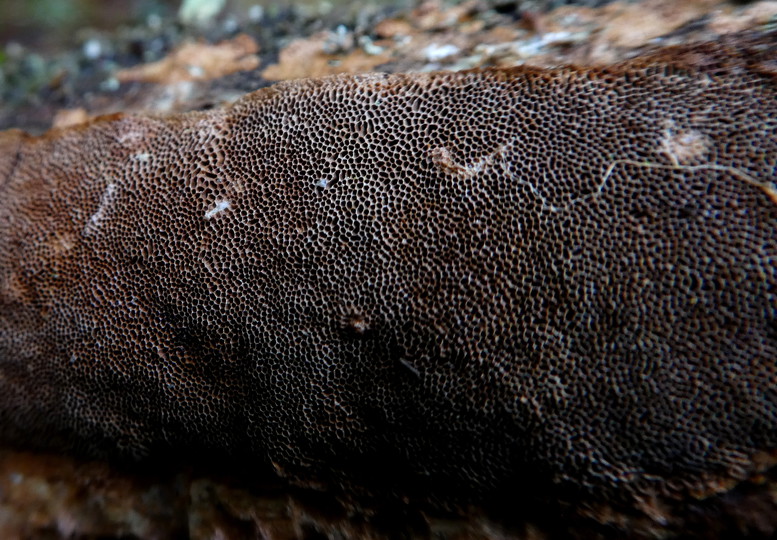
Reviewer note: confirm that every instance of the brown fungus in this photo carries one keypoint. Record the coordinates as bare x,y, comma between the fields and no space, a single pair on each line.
470,278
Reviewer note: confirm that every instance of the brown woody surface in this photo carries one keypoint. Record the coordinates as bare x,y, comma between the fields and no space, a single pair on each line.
450,284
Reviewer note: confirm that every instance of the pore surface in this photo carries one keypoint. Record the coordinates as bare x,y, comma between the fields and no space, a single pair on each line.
463,277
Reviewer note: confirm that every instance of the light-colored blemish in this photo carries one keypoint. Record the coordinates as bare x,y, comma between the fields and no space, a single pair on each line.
142,156
97,218
322,183
208,130
443,159
131,137
61,243
684,147
219,207
93,49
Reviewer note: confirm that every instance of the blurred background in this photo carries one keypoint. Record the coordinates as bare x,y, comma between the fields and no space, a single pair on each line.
102,56
49,25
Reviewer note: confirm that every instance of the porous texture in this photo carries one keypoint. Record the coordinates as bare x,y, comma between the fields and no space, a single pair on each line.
452,283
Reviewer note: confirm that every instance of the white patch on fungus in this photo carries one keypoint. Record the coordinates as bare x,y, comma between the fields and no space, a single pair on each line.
684,147
105,201
131,135
219,207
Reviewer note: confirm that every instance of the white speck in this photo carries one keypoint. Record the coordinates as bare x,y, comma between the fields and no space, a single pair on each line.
143,156
195,71
199,12
369,47
256,13
341,40
322,183
220,207
435,52
92,49
16,478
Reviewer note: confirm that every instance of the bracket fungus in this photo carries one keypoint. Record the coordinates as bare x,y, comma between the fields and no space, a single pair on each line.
457,281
